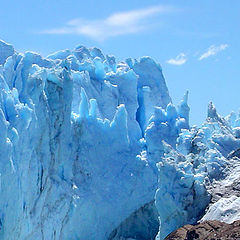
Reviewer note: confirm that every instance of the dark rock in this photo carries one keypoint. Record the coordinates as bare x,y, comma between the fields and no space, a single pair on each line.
208,230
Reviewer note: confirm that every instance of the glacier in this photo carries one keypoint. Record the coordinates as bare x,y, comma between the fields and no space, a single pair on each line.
94,148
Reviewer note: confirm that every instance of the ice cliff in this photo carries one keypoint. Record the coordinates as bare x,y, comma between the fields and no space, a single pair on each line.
92,148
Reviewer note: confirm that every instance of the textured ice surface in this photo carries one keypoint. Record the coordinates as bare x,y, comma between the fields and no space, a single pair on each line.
181,197
71,163
224,210
92,148
201,160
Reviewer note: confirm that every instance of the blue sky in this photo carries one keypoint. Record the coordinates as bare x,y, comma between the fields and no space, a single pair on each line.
196,42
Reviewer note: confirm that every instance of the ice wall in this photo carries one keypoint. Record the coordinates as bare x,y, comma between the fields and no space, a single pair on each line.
71,164
92,148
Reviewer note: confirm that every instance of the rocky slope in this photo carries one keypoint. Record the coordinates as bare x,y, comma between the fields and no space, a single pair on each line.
207,230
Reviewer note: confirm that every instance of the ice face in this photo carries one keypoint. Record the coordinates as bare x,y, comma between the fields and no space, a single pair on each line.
181,197
70,150
92,148
165,125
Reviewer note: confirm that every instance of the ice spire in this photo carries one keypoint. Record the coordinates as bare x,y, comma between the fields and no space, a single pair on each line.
212,112
183,108
83,107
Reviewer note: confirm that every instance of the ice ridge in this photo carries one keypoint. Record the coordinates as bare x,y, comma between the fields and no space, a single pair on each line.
93,148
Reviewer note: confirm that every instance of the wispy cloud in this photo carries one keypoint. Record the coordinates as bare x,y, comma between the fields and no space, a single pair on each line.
178,60
213,50
120,23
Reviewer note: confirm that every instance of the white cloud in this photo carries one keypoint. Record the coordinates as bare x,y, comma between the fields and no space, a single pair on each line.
178,60
213,50
120,23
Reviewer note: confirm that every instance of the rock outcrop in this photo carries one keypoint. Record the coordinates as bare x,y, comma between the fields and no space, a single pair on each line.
208,230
